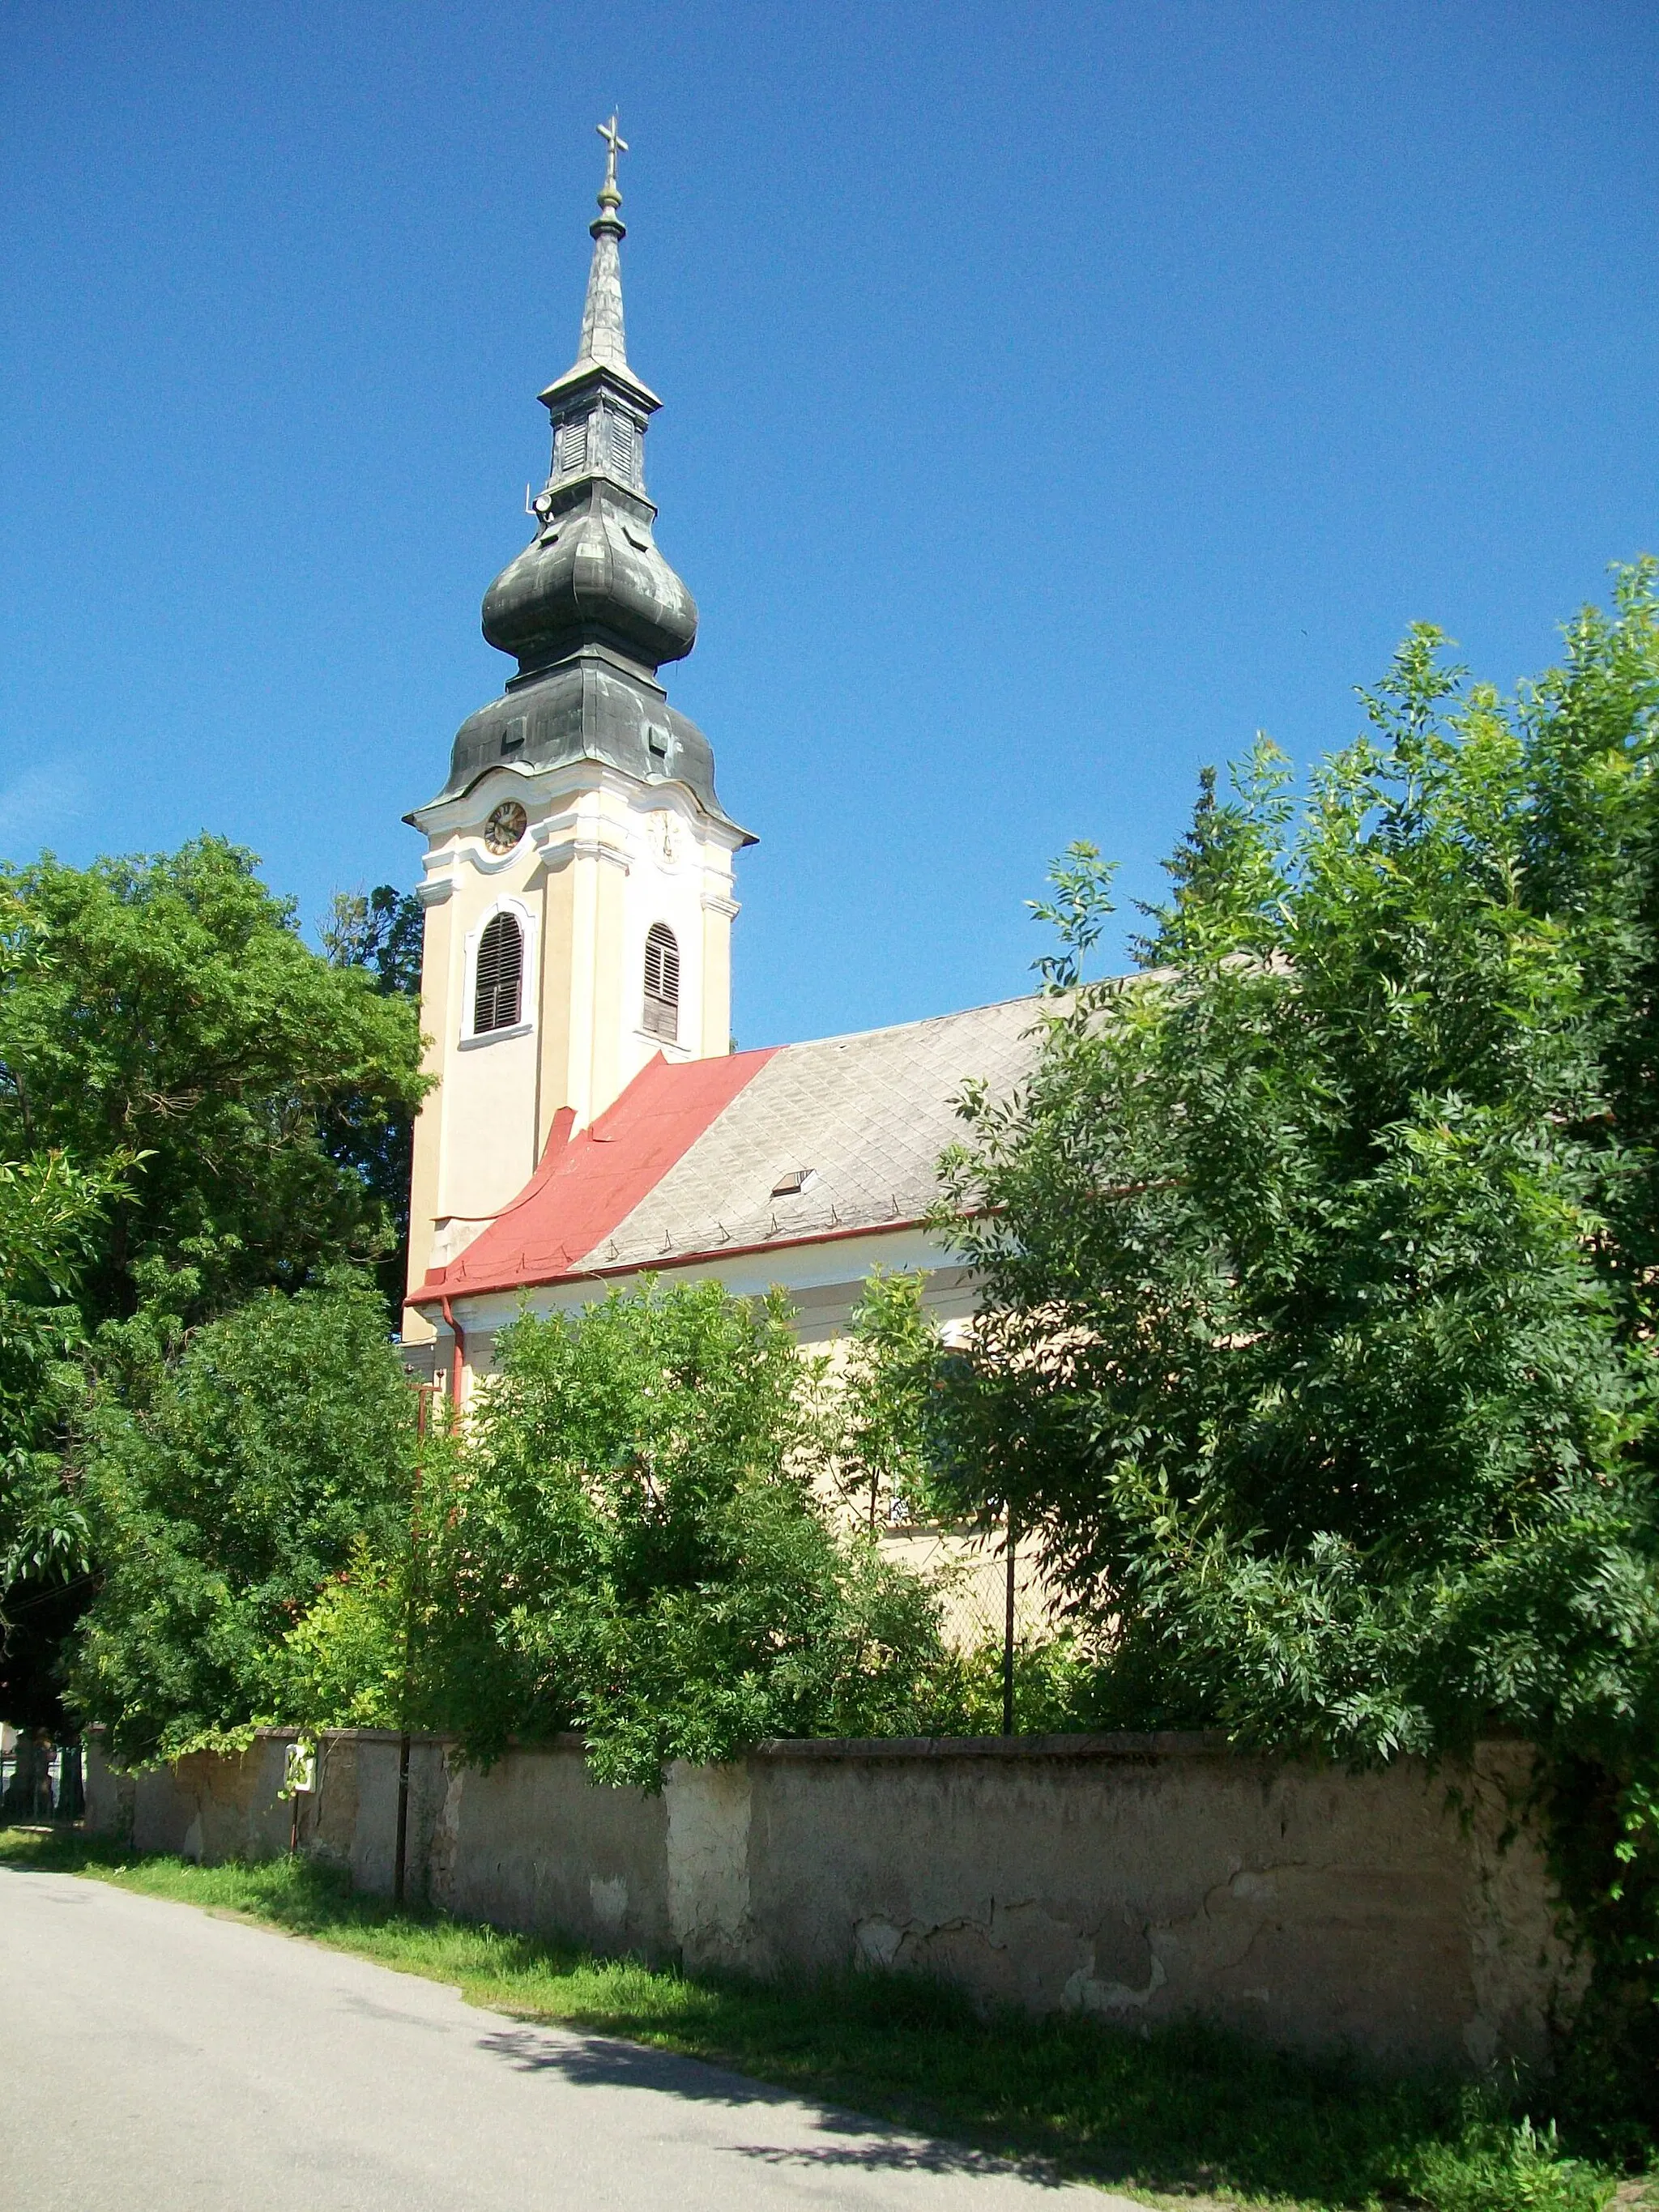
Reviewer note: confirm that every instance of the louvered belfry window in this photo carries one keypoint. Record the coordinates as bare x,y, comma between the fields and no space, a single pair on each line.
572,448
500,976
662,983
619,436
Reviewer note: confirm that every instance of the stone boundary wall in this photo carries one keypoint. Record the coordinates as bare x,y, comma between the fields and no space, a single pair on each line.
1403,1915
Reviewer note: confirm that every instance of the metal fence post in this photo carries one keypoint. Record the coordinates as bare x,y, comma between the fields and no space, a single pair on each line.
1008,1636
422,1400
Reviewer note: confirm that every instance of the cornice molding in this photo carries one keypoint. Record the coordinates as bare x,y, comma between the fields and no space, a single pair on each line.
469,809
600,849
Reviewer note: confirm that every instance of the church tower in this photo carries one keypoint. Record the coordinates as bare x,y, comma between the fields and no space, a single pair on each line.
578,887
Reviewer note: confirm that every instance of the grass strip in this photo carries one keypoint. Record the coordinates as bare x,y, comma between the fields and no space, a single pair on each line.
1185,2113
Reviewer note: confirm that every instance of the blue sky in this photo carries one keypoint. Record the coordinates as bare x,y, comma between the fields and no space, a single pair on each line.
1055,394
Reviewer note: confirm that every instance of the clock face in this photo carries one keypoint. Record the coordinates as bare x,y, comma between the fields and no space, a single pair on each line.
505,826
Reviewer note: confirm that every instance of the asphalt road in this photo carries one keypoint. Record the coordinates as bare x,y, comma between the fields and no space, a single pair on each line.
153,2059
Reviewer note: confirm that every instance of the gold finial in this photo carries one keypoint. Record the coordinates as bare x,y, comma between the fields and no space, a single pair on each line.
615,143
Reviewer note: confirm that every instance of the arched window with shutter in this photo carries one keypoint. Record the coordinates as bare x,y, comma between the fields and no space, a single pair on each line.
662,984
499,977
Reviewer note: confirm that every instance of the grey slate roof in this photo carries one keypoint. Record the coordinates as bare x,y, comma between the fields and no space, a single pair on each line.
589,708
868,1114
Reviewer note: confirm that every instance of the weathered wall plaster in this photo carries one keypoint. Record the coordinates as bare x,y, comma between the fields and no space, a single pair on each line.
531,1843
708,1865
1403,1914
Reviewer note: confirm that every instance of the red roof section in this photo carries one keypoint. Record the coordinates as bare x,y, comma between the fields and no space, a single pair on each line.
584,1188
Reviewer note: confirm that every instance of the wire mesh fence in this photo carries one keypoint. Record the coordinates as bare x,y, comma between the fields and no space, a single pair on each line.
967,1571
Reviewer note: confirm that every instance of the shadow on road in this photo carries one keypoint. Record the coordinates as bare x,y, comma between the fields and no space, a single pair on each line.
587,2060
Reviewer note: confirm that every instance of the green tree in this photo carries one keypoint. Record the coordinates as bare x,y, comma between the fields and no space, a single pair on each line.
625,1543
236,1107
878,1402
52,1215
382,930
165,1007
1301,1339
223,1491
382,933
1318,1256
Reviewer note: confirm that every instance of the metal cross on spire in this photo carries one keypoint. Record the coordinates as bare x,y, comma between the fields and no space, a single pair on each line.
615,144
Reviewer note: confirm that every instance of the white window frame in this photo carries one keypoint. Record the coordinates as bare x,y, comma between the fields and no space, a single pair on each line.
471,1039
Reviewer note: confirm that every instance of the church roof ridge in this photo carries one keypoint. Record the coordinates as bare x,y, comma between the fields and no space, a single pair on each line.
917,1022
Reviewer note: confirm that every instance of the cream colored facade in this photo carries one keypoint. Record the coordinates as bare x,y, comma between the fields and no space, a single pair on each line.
602,859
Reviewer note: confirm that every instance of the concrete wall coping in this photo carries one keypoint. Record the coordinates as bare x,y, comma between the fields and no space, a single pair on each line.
1125,1744
1125,1747
1166,1743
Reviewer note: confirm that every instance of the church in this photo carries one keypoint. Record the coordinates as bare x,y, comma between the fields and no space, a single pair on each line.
590,1123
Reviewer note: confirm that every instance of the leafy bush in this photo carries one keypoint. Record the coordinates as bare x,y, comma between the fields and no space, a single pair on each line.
875,1404
625,1541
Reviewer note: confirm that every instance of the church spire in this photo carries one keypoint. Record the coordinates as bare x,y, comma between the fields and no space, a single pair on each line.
602,338
603,346
593,578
